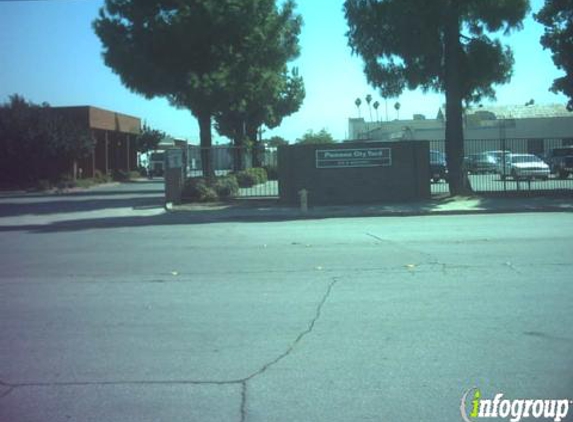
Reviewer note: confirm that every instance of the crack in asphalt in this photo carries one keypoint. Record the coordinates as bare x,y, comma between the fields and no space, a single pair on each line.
243,401
429,256
301,335
242,381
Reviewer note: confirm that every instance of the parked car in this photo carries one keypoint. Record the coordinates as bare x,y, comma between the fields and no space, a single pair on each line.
438,166
482,163
498,155
560,161
524,166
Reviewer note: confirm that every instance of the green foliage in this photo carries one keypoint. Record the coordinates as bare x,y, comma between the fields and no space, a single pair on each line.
441,45
99,177
37,142
226,187
251,177
272,171
149,139
264,90
202,55
402,42
322,137
198,189
276,141
557,16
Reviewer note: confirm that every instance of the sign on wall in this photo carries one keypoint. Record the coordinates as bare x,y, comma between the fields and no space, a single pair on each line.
359,157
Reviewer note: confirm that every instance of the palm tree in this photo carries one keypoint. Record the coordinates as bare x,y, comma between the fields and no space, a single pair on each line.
368,101
397,107
358,103
376,105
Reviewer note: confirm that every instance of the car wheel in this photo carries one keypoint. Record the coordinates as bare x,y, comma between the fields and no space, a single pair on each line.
563,174
514,176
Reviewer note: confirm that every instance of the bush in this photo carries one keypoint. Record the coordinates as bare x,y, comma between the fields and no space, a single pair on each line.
250,177
99,177
120,176
43,184
227,187
85,183
134,175
198,189
272,171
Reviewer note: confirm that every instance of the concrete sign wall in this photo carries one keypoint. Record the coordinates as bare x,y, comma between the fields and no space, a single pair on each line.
354,173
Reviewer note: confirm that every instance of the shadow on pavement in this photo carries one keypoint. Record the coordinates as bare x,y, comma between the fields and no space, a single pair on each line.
271,211
62,206
139,195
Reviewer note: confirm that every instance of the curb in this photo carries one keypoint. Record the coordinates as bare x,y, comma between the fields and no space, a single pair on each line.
297,215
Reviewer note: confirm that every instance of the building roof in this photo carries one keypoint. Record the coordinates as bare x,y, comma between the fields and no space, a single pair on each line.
523,111
98,118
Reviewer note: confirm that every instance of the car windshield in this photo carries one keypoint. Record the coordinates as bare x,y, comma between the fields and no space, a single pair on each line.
525,159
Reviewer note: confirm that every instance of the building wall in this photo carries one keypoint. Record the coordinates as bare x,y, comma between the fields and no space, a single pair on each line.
543,122
114,139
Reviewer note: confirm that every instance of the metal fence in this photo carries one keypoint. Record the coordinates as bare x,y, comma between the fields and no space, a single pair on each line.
491,176
484,177
228,159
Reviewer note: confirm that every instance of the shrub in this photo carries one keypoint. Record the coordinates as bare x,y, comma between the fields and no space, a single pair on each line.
226,187
85,183
272,171
134,175
245,179
198,189
99,177
250,177
120,176
43,184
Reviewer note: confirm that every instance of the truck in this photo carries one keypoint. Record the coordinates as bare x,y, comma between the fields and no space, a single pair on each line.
560,161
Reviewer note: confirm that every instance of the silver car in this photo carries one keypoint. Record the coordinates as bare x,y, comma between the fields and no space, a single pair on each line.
523,166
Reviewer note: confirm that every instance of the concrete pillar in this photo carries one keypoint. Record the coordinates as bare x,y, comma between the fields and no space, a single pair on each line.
127,151
106,137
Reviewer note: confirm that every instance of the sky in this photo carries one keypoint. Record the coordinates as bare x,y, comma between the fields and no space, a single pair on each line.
49,53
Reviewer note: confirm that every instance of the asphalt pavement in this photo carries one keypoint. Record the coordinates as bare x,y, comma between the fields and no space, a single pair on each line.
115,309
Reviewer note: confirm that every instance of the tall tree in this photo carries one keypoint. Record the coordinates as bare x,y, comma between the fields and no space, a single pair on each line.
38,142
321,137
397,106
376,105
273,96
148,139
557,16
263,90
368,101
442,45
358,103
185,51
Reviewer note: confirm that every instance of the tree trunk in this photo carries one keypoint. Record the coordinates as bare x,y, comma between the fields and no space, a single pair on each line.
206,142
458,181
238,147
257,147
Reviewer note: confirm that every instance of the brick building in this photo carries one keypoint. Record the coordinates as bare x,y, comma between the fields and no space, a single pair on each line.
114,139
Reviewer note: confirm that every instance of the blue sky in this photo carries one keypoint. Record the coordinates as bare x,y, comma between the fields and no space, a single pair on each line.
49,53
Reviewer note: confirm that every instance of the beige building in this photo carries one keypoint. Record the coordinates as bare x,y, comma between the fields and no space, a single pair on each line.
534,128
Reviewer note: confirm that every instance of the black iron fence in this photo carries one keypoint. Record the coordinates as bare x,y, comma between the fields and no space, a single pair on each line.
240,161
510,165
492,165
